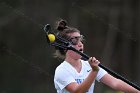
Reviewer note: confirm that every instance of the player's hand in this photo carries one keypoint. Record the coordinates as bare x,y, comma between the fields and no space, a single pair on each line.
94,63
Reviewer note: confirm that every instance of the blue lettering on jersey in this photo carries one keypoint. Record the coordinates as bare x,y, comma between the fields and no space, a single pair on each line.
79,81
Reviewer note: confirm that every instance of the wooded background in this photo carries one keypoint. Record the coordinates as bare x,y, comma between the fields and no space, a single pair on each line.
111,29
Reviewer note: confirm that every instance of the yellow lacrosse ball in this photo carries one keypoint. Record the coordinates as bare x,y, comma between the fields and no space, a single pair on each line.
51,37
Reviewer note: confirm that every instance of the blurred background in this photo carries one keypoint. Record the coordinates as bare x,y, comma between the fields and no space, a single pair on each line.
111,29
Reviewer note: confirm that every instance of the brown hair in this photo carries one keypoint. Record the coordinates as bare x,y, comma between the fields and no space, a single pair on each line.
63,30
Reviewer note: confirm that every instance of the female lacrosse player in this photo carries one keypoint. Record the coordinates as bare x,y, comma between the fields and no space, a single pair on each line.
75,75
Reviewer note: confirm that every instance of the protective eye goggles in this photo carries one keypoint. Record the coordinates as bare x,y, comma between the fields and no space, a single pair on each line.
76,39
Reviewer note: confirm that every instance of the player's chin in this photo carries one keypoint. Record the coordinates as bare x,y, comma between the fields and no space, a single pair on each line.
78,56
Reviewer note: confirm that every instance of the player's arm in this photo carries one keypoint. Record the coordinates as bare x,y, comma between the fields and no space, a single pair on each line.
118,84
84,86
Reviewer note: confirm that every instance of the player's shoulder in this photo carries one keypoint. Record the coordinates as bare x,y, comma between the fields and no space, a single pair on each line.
62,67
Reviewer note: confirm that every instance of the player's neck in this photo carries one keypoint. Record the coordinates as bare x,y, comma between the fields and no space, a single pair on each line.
73,62
76,63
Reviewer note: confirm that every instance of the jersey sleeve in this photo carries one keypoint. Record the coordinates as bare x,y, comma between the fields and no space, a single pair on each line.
63,78
100,74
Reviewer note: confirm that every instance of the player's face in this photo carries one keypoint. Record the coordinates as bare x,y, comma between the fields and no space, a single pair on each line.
77,42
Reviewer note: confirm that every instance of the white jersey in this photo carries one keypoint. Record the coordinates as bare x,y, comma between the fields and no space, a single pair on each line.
65,74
